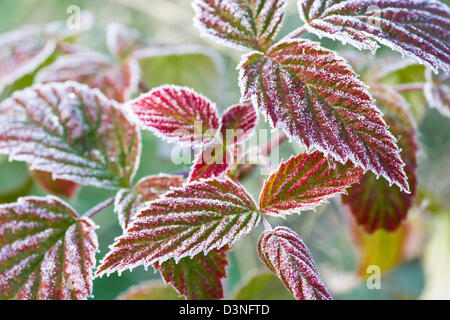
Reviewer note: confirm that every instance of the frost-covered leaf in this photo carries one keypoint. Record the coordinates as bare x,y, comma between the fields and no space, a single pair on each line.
122,41
199,277
72,131
22,52
419,29
151,290
195,219
55,186
240,23
437,91
238,122
46,251
262,286
305,181
117,82
373,203
212,161
317,99
285,254
64,31
128,201
178,114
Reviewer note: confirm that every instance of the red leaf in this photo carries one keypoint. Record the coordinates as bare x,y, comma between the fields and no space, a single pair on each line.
122,41
437,92
212,161
419,29
128,201
117,82
178,114
242,24
285,254
199,217
46,251
317,99
72,131
60,187
372,202
23,51
238,123
304,182
199,277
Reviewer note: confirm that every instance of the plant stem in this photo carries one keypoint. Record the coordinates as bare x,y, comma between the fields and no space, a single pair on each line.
99,208
409,87
295,34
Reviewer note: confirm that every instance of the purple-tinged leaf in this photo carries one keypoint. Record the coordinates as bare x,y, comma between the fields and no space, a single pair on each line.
178,114
437,92
373,203
128,201
195,219
199,277
304,182
240,23
212,161
285,254
419,29
46,251
122,41
238,123
58,187
315,96
22,52
72,131
116,82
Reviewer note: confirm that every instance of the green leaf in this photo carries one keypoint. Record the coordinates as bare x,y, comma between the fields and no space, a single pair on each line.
152,290
262,286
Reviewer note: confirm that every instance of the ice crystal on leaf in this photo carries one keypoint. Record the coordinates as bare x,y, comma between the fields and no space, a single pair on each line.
240,23
195,219
285,254
304,182
128,201
372,202
117,82
437,92
60,187
315,96
212,161
416,28
238,123
72,131
46,250
178,114
199,277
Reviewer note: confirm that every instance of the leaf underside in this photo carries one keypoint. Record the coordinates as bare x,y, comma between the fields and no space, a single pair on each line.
317,99
46,251
419,29
72,131
59,187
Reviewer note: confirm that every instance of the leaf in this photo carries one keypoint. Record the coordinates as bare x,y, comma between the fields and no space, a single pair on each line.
212,161
199,217
419,29
22,52
285,254
372,202
304,182
46,250
317,99
64,31
128,201
73,132
178,114
437,92
151,290
117,82
199,277
122,41
262,286
238,123
240,23
59,187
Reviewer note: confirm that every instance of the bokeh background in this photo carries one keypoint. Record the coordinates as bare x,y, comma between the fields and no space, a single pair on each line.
415,261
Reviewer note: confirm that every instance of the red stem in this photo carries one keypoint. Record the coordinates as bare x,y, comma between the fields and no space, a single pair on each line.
99,208
409,87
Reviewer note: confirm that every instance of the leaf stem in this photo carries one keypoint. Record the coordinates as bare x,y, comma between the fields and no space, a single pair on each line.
409,87
99,208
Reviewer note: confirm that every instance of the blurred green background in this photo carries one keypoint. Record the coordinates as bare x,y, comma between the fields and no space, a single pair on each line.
419,270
